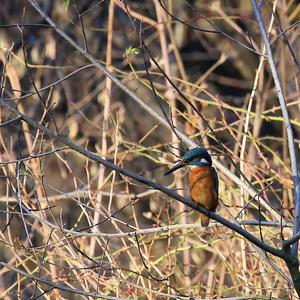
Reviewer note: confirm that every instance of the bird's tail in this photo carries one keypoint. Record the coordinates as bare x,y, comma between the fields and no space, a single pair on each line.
204,220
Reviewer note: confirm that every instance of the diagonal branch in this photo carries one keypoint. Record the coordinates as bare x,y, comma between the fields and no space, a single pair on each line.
171,193
54,285
294,239
252,192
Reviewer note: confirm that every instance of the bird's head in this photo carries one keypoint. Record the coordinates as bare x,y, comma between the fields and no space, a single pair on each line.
197,157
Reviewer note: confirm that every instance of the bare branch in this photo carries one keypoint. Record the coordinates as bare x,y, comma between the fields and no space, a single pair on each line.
152,112
150,183
57,286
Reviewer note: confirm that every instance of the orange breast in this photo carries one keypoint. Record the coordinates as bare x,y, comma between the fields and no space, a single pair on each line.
202,187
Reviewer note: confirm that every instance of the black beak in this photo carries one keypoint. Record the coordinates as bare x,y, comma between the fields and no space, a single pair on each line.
176,167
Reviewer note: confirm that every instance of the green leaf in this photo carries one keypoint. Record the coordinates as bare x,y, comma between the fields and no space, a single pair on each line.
132,51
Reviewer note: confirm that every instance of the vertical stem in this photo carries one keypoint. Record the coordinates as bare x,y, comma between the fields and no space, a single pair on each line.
288,125
106,97
244,140
172,100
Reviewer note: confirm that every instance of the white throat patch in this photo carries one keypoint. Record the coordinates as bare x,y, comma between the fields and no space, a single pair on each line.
203,160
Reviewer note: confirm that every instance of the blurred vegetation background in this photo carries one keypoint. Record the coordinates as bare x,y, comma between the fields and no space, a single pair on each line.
222,75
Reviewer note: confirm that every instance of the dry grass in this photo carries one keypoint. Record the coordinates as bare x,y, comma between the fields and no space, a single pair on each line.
75,242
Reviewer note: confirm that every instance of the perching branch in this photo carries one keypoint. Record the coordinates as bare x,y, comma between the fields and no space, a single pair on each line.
252,192
171,193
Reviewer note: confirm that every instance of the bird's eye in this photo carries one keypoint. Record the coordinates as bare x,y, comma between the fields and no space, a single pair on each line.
188,160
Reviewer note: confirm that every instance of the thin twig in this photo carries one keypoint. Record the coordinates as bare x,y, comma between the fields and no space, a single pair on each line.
217,30
152,184
149,109
58,286
82,26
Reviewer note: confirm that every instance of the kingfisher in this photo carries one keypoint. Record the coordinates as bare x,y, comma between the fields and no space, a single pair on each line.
203,179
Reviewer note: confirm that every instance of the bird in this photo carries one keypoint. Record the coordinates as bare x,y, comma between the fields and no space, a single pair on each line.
203,179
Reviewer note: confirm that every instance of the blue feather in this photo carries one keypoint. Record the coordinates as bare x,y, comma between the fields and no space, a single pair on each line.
197,153
216,181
